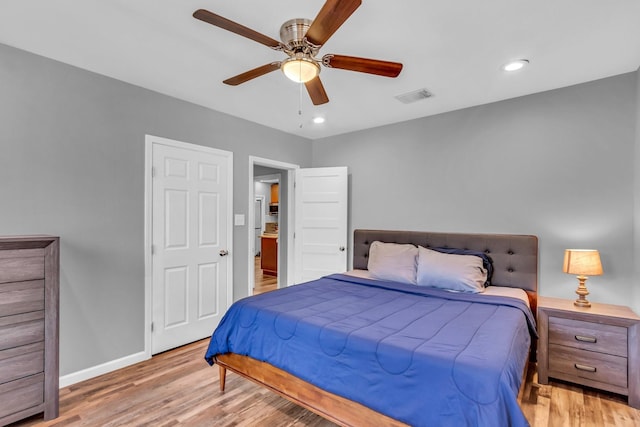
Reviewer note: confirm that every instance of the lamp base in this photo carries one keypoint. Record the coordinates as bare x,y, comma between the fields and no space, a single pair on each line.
582,293
582,303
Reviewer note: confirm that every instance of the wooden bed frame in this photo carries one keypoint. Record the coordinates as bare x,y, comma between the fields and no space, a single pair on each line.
515,262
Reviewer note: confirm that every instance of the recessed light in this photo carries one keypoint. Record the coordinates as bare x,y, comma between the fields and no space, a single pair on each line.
515,65
318,120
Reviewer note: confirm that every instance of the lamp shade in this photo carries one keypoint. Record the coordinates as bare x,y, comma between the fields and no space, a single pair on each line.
582,262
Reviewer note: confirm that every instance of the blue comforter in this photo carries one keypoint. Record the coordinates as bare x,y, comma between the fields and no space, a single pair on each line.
424,356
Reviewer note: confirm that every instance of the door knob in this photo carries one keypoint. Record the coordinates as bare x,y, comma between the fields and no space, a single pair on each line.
224,252
341,248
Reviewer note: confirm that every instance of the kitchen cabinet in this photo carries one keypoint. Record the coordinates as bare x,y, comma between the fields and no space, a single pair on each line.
269,254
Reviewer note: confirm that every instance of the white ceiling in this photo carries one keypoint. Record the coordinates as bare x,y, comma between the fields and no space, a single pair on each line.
452,48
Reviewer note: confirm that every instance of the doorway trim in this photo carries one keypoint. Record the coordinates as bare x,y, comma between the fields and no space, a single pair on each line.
148,223
290,169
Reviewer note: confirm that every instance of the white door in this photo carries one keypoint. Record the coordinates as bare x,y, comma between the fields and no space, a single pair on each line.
320,222
191,232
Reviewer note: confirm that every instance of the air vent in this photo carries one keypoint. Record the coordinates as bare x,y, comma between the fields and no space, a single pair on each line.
414,96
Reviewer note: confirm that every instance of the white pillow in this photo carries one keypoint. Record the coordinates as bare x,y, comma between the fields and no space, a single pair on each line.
463,273
393,261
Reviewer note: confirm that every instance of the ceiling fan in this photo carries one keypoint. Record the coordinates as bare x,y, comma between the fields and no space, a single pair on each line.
301,41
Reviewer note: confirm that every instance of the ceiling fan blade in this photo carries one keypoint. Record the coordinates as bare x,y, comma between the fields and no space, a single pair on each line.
363,65
252,74
329,19
316,91
224,23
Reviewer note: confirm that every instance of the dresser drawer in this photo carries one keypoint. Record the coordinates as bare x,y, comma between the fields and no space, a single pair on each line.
590,336
18,395
21,329
21,268
20,362
21,297
591,365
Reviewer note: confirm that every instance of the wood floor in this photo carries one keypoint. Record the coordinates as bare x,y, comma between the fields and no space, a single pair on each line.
263,283
178,388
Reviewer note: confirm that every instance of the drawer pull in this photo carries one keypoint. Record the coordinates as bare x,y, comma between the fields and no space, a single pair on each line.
582,338
584,367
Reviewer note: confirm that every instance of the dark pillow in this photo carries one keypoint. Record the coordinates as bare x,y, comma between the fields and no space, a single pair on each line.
487,262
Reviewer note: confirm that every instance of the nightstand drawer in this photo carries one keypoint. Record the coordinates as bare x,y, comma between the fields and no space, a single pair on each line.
591,365
590,336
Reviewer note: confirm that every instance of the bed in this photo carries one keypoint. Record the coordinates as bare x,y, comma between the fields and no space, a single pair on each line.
363,350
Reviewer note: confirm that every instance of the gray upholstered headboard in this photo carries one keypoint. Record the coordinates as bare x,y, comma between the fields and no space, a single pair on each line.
515,257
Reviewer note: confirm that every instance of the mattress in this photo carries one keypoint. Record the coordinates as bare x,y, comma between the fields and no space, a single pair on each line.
500,291
420,355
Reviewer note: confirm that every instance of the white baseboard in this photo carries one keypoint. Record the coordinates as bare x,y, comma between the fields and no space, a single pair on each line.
105,368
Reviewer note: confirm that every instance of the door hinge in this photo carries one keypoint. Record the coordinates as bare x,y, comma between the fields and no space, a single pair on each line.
153,171
153,249
151,326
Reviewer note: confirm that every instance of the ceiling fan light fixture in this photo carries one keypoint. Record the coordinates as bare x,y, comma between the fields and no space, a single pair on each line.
300,69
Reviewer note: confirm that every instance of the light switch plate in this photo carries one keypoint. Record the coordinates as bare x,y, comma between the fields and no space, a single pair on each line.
238,219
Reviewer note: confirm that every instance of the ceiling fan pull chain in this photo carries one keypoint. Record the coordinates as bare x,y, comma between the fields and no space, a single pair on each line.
300,103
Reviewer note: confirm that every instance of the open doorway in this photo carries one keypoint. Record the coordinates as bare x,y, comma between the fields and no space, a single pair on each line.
266,184
271,227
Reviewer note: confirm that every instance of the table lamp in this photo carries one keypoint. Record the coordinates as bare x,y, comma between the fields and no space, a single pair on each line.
583,263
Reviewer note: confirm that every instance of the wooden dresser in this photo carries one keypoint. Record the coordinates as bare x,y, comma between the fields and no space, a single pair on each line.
29,296
597,346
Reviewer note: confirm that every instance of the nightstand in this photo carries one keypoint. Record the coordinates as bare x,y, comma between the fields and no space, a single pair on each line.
597,347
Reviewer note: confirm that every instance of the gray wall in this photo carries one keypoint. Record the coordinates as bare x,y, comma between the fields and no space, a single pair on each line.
72,165
636,193
558,164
